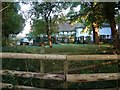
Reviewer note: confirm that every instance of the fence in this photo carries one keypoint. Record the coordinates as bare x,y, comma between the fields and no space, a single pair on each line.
64,77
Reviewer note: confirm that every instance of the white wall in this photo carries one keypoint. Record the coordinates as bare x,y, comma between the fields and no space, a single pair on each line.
78,34
105,31
102,31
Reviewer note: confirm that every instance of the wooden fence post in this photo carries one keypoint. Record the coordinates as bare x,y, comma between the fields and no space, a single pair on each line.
41,66
42,50
65,74
42,72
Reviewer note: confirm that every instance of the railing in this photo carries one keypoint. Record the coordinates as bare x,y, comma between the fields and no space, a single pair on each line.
66,58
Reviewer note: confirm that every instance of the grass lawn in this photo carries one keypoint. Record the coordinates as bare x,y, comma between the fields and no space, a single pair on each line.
63,49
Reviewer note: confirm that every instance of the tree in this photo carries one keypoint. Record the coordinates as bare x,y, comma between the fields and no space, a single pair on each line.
38,27
109,14
49,12
95,14
90,16
44,10
12,22
96,20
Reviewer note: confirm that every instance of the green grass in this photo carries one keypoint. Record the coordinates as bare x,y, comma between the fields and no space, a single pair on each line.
62,49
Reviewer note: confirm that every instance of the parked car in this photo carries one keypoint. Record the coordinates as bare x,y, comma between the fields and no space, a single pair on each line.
24,41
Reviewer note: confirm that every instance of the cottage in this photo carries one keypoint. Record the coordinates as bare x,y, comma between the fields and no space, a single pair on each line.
68,33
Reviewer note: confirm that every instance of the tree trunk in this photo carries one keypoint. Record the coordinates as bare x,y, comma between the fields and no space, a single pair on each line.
95,33
50,40
118,46
113,29
110,8
115,34
118,37
49,37
48,32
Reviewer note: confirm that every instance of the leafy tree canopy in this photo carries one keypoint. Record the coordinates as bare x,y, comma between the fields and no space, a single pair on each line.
50,14
12,22
38,27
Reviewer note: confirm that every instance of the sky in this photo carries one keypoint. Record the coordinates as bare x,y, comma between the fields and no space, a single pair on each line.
24,9
25,31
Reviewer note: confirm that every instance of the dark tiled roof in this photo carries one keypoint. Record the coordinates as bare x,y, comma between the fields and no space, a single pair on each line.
66,26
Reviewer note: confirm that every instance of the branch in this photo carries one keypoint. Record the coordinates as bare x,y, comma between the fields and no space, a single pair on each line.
5,8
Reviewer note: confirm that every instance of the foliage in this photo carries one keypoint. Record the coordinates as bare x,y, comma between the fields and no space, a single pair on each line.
92,12
94,15
12,22
50,14
89,15
44,10
38,27
89,12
